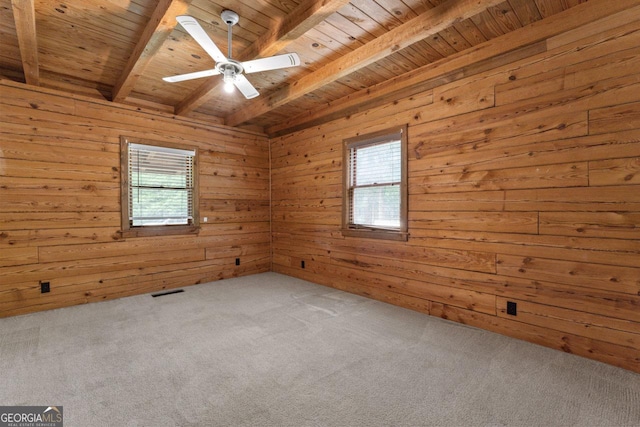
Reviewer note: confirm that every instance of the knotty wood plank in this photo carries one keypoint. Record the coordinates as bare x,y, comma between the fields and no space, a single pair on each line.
346,278
616,331
621,356
526,11
599,199
588,300
56,270
583,249
482,128
55,236
81,293
523,151
625,171
158,28
24,16
499,222
61,154
128,114
598,276
618,64
52,170
129,247
628,14
417,304
554,176
426,24
56,220
518,88
614,118
457,201
53,203
422,275
17,256
488,52
616,225
471,260
44,186
521,137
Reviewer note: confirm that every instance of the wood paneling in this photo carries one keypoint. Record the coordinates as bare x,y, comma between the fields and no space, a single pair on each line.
120,50
523,187
524,148
60,203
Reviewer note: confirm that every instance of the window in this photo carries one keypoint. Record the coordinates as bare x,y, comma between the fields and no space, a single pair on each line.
159,188
375,185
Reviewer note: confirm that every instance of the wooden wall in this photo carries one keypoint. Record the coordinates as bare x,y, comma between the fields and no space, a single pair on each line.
524,186
60,202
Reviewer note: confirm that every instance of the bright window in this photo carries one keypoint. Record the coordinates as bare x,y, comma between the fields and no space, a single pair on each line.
159,188
375,190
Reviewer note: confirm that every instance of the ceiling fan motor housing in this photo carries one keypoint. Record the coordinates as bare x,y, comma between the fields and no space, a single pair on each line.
229,66
230,69
229,17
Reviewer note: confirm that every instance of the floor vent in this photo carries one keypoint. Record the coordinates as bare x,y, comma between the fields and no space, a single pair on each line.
175,291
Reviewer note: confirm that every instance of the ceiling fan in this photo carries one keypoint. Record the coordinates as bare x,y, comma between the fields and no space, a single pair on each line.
230,69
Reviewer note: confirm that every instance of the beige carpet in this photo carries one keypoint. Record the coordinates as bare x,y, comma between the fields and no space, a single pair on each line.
270,350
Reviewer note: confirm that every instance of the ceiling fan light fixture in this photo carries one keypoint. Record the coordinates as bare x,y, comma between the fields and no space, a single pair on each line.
230,69
229,78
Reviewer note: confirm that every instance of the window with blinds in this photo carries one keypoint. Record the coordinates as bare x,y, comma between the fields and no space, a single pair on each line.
160,189
375,184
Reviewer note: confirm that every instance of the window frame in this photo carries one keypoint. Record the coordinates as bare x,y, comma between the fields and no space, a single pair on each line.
374,138
127,230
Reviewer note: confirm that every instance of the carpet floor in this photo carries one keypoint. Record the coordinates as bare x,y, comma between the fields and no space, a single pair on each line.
271,350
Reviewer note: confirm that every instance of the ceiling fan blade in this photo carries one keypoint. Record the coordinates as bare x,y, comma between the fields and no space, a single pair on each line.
191,76
271,63
245,87
197,32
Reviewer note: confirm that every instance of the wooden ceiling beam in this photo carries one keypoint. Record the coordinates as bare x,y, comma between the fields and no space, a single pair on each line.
24,15
521,43
160,26
424,25
304,17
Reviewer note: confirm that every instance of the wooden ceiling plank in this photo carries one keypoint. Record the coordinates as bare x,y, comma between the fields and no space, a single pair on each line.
549,7
160,25
487,25
505,17
24,15
524,42
470,32
526,11
427,24
304,17
455,39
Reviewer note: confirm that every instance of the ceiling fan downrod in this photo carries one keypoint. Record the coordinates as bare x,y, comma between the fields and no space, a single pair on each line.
230,18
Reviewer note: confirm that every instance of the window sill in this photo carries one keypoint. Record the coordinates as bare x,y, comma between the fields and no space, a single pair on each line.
370,233
162,230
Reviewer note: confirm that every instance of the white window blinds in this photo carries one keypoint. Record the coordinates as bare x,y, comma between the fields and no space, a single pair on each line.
375,178
161,185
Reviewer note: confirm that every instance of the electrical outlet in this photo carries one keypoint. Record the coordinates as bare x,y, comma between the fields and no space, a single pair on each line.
512,308
237,261
45,287
302,264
